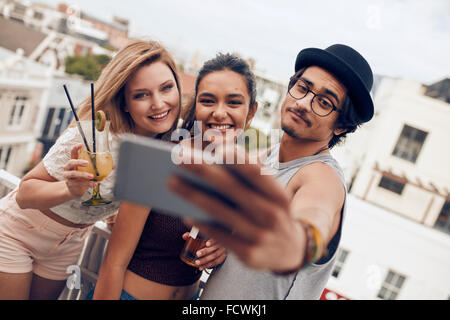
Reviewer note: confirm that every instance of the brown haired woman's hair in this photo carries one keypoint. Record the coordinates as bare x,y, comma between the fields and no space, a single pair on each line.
110,87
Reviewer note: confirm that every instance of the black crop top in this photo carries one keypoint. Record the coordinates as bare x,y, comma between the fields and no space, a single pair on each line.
156,257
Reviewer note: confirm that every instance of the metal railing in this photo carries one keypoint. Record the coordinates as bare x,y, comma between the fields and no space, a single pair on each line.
8,182
89,263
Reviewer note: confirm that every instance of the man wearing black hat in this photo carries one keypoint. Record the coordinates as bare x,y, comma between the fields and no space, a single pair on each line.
286,231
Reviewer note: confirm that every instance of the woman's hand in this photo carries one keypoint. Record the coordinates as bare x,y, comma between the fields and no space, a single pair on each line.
77,182
210,256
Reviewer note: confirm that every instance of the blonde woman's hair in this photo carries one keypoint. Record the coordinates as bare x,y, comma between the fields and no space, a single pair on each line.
110,87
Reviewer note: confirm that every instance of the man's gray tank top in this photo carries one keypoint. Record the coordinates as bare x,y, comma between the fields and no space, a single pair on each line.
235,281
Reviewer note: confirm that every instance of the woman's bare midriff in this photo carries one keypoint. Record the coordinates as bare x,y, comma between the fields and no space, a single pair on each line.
144,289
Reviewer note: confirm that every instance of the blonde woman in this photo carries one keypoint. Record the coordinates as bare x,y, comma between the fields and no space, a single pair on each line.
42,226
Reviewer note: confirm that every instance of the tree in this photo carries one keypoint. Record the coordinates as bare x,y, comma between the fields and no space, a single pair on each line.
88,66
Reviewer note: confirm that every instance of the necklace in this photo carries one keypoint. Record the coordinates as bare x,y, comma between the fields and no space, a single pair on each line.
320,150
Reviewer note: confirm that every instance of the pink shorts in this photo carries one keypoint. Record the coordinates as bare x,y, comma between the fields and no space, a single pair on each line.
31,241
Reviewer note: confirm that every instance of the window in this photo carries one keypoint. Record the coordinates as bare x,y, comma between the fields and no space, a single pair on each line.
340,260
56,122
5,153
391,185
38,15
48,122
17,111
59,121
443,221
19,9
391,286
409,144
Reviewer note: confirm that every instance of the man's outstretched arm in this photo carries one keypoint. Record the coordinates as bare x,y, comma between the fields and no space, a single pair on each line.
267,232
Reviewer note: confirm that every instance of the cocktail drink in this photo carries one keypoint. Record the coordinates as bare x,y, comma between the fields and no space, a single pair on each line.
103,162
104,165
100,163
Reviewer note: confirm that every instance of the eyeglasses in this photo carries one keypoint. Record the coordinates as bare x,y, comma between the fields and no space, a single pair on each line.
321,105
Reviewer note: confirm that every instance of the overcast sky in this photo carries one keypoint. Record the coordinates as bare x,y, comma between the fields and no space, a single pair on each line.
400,38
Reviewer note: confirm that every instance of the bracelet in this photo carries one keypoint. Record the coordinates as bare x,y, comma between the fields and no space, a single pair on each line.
314,243
314,247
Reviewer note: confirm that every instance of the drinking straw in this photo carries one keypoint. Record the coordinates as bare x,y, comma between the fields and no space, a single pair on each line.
76,119
79,127
93,116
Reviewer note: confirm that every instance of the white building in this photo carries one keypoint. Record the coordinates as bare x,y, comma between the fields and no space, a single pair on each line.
35,15
58,113
43,34
66,19
270,95
403,162
386,256
398,169
23,96
33,108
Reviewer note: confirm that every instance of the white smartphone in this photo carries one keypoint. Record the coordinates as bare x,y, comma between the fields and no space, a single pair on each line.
143,167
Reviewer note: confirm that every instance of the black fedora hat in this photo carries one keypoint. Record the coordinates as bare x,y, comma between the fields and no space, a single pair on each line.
349,67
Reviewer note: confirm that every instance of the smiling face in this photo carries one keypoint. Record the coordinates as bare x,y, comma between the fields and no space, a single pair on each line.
152,99
223,104
297,118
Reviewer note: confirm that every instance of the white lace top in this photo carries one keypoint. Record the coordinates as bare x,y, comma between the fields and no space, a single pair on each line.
54,162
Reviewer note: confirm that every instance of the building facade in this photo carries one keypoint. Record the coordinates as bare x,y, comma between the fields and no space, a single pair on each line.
46,47
114,33
23,95
58,114
270,96
384,255
404,166
397,230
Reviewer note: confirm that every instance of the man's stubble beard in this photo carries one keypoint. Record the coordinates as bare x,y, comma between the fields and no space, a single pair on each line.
289,131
